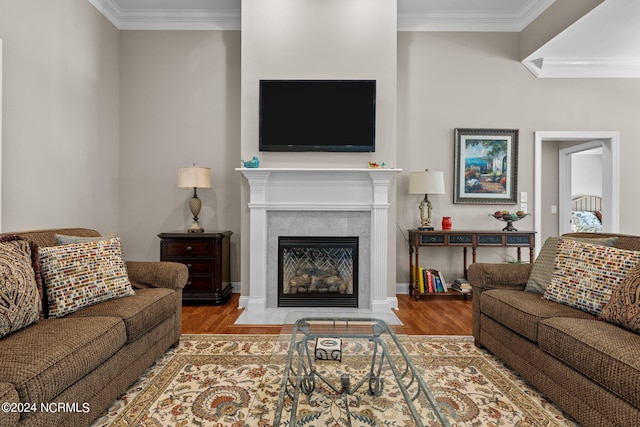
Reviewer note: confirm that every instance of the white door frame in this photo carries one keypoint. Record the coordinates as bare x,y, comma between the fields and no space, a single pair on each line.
610,141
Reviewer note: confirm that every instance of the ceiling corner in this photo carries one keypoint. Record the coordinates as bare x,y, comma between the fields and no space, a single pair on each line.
604,43
109,9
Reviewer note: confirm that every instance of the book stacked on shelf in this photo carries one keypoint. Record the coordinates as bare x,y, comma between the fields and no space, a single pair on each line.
431,281
461,285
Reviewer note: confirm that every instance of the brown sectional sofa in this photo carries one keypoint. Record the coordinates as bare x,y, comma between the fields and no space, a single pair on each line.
88,358
589,368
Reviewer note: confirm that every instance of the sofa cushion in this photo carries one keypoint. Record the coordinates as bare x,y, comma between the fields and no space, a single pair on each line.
521,311
20,299
607,354
44,238
8,394
542,270
81,274
43,359
64,239
139,312
623,309
585,274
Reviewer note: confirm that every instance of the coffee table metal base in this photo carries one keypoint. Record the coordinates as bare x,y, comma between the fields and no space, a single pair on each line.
302,375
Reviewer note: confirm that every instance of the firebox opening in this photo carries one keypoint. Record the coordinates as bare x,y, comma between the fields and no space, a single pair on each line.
318,271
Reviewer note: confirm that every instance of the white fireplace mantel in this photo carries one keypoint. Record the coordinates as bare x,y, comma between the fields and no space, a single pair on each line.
312,190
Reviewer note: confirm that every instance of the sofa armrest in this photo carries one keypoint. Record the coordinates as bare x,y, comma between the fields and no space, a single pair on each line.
483,277
504,276
8,394
158,274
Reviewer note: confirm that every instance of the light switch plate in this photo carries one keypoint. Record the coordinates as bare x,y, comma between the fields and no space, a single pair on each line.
523,197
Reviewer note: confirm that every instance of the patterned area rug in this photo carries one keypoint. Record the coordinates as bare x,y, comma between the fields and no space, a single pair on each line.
234,380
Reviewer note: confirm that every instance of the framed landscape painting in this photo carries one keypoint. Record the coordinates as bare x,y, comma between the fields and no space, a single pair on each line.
486,166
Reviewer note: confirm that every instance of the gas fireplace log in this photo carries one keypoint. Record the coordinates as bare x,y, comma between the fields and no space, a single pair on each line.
301,281
325,283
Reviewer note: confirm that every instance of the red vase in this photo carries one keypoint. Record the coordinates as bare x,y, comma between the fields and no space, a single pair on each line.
446,223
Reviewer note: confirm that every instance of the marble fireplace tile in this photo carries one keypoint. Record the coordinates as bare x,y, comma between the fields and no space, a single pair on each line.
319,223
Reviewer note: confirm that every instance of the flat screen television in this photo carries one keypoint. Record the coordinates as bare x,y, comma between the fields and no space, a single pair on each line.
318,115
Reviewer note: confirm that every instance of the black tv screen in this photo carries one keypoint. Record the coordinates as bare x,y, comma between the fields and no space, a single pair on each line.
317,115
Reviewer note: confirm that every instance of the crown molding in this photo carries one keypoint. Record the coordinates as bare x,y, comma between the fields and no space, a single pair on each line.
457,21
470,20
168,19
584,67
409,18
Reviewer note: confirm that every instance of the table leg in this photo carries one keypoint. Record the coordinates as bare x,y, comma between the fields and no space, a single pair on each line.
412,272
416,287
464,261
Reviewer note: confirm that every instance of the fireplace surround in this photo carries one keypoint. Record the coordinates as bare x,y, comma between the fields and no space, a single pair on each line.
318,201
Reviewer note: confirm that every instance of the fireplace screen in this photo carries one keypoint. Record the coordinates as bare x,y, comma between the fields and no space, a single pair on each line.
318,271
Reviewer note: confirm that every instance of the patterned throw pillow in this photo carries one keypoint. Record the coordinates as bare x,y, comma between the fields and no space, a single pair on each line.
542,270
82,274
585,221
623,309
585,275
20,300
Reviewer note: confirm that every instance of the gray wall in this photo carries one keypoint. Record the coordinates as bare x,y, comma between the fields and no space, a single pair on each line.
586,175
180,104
96,121
550,188
474,80
60,116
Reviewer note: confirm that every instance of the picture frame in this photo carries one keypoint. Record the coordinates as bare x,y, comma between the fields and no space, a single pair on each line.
486,166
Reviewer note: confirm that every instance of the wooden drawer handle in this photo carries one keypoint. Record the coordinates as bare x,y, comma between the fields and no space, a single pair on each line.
189,248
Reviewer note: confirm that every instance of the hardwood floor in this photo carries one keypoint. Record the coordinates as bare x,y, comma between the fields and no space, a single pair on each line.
434,315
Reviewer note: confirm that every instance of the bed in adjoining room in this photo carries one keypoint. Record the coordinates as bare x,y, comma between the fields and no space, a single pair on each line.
586,214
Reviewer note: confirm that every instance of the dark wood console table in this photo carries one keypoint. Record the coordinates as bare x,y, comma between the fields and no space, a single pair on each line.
464,239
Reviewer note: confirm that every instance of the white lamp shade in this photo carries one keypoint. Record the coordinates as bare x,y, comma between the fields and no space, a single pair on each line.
427,182
194,177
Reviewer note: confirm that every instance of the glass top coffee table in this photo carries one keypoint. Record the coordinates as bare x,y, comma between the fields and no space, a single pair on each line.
350,371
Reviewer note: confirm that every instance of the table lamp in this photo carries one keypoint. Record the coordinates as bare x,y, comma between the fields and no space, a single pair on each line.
194,177
427,182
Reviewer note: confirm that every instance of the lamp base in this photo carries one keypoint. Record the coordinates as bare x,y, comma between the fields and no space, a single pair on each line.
195,204
195,228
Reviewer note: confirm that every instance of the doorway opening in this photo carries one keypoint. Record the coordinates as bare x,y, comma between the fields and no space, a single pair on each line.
609,141
580,187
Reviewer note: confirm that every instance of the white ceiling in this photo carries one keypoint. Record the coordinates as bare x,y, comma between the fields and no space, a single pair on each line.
604,43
